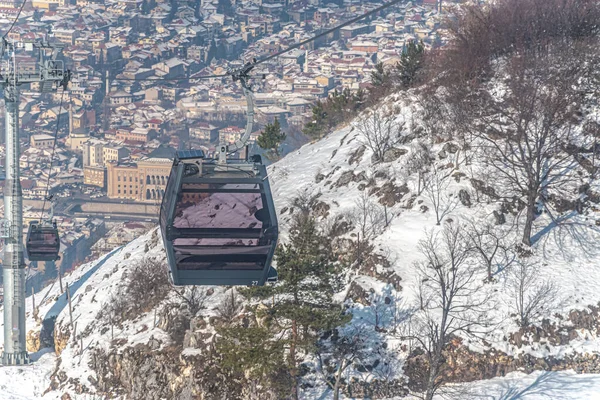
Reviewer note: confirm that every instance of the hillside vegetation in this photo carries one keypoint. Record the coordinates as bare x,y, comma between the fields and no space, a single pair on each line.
447,234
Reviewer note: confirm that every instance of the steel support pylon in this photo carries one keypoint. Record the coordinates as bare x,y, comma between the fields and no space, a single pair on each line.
48,73
13,265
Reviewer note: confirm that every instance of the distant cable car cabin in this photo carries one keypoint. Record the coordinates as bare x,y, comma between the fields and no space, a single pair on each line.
43,241
218,221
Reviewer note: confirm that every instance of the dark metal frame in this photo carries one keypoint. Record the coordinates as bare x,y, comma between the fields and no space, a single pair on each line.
42,228
210,173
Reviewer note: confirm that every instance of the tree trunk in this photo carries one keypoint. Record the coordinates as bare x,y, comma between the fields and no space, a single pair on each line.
338,381
294,370
529,220
434,368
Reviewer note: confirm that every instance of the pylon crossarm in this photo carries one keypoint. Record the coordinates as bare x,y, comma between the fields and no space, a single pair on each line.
4,228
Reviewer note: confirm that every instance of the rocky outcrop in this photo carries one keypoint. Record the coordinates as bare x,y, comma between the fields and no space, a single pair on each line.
463,365
357,155
349,176
61,338
393,154
390,194
33,341
139,372
376,389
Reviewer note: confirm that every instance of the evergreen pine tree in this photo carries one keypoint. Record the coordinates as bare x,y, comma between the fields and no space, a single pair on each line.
271,137
221,52
212,51
359,99
173,10
101,65
315,128
253,353
380,76
411,61
303,297
225,7
145,7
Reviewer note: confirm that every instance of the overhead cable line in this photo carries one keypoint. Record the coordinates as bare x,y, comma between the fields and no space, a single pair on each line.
151,79
15,20
47,195
328,31
290,48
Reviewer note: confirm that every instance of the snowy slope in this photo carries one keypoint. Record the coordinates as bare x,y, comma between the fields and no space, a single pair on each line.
335,172
542,385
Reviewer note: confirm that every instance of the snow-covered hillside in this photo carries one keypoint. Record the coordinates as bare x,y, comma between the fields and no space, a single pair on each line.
332,175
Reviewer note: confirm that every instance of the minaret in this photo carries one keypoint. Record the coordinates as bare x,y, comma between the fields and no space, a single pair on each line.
306,62
107,83
70,120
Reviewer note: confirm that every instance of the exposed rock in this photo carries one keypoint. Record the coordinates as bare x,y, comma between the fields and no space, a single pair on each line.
562,205
499,217
319,178
357,155
380,174
393,154
451,148
33,341
321,209
390,194
348,176
61,338
481,187
464,365
592,196
464,197
410,202
358,294
340,227
458,175
376,388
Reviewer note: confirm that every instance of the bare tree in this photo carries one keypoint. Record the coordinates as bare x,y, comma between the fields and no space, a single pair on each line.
380,132
337,355
229,308
146,284
370,218
193,297
527,128
450,300
530,295
436,190
419,161
487,242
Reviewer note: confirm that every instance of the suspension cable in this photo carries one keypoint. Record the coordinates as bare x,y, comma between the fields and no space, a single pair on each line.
46,196
328,31
288,49
154,79
15,20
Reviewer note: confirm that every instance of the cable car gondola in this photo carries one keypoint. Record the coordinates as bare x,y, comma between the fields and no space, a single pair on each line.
43,241
218,222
